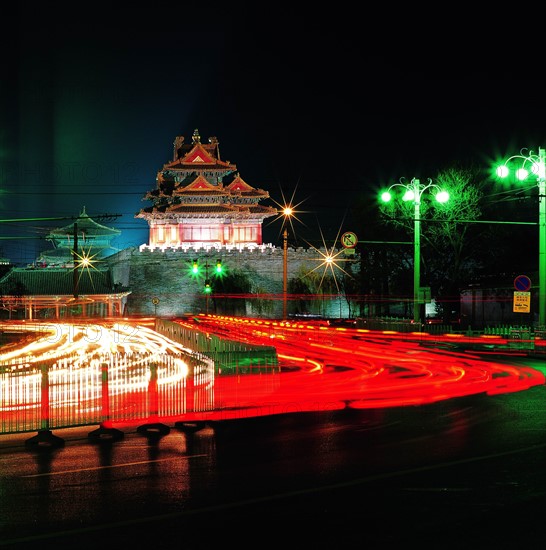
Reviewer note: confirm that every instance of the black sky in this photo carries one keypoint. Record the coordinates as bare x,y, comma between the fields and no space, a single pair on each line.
328,106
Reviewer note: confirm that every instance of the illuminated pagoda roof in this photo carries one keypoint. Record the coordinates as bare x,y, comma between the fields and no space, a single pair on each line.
191,160
240,188
200,187
198,184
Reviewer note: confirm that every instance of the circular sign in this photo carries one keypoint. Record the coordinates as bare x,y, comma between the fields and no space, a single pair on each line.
522,283
349,240
155,301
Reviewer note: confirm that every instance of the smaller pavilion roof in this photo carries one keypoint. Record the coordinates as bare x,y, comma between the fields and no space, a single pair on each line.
86,225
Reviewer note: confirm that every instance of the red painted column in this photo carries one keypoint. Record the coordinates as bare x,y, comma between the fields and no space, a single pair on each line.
152,392
190,389
105,395
45,397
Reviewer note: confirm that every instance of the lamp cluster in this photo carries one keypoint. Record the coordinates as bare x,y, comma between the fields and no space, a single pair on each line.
197,270
412,193
524,166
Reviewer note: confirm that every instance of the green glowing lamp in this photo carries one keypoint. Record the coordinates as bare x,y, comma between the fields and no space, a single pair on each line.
502,171
442,196
386,196
409,195
521,174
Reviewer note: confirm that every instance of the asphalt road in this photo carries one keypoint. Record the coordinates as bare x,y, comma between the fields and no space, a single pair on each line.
468,471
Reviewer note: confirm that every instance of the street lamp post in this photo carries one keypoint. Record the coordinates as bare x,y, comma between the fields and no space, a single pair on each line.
284,273
287,212
413,192
416,251
537,165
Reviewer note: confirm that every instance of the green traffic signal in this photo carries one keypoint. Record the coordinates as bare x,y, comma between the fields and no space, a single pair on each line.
219,268
207,289
195,267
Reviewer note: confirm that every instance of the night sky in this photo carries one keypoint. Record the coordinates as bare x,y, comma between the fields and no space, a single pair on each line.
322,107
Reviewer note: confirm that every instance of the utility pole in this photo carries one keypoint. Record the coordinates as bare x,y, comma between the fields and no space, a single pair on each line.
284,274
75,256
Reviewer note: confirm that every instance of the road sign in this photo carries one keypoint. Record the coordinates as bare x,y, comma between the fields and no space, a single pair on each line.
522,283
349,239
522,302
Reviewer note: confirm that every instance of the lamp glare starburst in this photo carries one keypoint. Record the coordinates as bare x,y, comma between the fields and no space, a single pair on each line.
330,261
287,212
84,261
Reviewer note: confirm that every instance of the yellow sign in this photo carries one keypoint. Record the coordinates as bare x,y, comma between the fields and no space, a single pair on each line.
522,302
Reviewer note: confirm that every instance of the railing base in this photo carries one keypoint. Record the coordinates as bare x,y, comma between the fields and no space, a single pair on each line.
189,427
156,429
44,439
105,434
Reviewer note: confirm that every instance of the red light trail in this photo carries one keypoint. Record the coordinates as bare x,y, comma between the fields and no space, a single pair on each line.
320,368
330,367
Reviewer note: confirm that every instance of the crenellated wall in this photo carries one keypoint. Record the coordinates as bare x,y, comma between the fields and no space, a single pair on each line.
161,282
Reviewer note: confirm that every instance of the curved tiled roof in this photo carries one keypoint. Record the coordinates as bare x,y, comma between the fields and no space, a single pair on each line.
85,225
200,208
55,282
240,187
201,192
259,209
192,186
201,211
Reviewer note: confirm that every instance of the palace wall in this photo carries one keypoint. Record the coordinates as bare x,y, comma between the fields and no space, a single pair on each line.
161,282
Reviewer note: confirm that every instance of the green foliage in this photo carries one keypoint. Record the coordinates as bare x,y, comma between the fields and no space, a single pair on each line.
298,287
447,231
261,306
231,291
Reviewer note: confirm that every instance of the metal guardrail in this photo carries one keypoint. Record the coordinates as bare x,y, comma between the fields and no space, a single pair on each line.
119,389
228,355
115,390
521,332
402,325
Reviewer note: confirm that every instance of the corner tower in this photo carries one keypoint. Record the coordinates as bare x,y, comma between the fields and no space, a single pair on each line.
202,201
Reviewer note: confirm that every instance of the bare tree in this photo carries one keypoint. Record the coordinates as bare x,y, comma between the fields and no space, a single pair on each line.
447,233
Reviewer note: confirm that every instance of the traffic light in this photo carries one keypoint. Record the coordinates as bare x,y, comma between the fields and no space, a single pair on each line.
219,268
207,288
195,267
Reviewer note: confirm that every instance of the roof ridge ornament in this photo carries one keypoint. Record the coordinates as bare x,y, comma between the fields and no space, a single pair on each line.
196,138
